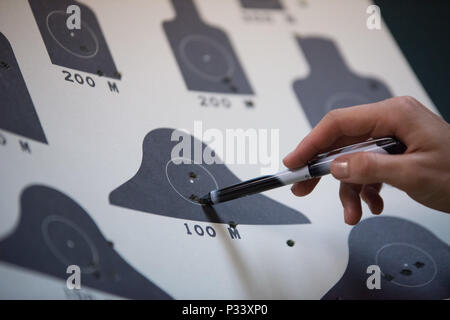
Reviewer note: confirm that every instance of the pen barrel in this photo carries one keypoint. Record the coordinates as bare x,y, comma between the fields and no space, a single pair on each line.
321,165
249,187
318,167
393,146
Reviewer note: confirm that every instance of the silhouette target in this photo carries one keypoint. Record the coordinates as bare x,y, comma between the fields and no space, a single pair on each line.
167,187
55,232
17,113
82,49
261,4
204,54
414,263
331,84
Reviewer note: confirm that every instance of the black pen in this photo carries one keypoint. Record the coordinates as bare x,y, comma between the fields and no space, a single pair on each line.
317,167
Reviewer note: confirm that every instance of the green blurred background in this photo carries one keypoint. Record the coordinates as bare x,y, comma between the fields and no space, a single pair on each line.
422,30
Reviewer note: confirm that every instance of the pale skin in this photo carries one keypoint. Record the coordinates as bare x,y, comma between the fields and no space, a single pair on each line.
423,171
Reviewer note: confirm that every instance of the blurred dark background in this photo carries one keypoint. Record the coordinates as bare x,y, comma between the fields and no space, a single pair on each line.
422,30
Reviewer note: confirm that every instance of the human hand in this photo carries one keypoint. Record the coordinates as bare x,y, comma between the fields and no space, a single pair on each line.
423,171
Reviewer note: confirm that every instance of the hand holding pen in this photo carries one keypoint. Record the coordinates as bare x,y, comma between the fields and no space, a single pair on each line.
423,171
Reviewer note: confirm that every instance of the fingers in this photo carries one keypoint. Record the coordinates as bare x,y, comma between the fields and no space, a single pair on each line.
370,195
369,168
303,188
385,118
349,194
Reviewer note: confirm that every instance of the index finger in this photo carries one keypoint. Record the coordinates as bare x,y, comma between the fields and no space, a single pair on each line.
346,124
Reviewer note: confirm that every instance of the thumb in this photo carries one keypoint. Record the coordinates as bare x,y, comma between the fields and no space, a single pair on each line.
370,167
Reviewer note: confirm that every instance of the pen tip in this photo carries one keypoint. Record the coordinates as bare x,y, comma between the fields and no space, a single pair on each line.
205,200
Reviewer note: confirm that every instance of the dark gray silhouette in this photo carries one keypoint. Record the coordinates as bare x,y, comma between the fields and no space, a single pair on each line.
204,54
55,232
331,84
414,263
261,4
84,49
161,186
17,113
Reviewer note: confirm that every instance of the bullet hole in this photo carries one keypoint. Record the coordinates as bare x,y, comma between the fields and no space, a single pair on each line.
118,75
195,198
100,73
232,224
192,177
4,65
388,277
290,243
419,264
84,48
373,85
406,272
70,244
110,244
249,103
226,80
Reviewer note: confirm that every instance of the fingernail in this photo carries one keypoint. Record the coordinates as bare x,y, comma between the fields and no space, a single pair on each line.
339,168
